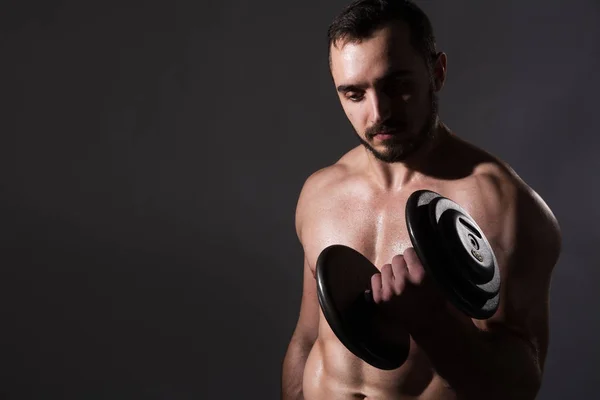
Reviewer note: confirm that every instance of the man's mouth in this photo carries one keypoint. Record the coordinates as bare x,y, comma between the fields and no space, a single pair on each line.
387,134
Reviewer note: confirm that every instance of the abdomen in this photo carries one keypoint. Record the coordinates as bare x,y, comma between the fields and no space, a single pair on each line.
333,373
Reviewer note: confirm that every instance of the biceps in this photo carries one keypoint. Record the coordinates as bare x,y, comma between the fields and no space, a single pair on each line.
523,312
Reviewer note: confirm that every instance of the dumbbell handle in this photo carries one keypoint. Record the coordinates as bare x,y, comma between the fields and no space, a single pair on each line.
364,304
368,296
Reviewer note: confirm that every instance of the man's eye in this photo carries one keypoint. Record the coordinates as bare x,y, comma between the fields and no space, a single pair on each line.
402,85
354,96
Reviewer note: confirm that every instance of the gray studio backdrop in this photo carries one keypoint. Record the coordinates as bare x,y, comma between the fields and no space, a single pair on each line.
151,155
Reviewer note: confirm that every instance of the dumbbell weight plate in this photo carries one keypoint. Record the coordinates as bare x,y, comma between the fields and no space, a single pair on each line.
454,252
343,275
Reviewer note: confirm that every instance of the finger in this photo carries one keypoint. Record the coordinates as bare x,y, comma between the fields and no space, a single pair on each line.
387,282
376,287
416,272
400,272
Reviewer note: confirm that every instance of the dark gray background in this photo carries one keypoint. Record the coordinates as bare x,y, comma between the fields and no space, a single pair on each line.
151,155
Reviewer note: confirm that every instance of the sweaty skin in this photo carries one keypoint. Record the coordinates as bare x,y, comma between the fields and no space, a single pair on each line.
359,201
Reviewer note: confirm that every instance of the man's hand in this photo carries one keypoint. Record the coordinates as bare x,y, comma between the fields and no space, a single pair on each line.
405,292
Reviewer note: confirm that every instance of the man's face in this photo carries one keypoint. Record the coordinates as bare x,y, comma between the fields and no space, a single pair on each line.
387,92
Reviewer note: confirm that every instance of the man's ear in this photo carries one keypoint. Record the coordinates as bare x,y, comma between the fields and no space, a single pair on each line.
439,70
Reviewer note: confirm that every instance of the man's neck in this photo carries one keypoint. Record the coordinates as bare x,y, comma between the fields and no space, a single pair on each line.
394,176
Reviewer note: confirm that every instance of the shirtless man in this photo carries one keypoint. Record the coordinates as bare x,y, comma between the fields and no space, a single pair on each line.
387,73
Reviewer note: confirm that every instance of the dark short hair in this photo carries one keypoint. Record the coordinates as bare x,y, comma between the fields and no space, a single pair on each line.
361,18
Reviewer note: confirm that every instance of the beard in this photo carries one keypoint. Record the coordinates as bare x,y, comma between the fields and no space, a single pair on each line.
398,148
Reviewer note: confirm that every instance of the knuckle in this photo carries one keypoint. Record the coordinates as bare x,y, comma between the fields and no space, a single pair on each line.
376,286
400,269
376,297
375,277
420,278
399,286
386,295
398,259
418,275
411,255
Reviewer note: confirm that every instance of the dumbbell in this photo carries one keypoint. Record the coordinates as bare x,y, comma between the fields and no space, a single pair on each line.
455,254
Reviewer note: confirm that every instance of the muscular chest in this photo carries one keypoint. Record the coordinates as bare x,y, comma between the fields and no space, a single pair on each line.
375,227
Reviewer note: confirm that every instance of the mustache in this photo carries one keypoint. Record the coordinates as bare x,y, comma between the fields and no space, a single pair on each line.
386,128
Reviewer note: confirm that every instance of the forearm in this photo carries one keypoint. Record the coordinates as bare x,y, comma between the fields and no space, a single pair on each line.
293,369
480,364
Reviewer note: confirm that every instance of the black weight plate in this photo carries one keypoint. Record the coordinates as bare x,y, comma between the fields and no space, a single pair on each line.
343,275
475,284
474,260
439,265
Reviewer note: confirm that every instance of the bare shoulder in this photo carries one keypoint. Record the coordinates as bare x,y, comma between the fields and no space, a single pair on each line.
511,210
522,213
321,186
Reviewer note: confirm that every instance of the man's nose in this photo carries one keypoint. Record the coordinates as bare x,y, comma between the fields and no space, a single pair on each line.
381,107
